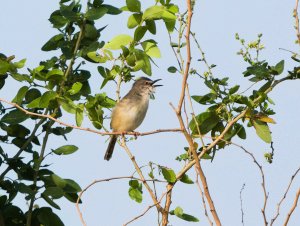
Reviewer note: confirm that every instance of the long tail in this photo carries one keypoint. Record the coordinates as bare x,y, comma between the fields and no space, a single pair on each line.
110,148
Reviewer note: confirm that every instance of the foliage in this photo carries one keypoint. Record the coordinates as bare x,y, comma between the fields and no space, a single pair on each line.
61,85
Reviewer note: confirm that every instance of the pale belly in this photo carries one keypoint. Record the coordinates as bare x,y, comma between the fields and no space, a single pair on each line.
126,117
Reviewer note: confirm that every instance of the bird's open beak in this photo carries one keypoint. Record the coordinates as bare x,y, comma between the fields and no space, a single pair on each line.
155,82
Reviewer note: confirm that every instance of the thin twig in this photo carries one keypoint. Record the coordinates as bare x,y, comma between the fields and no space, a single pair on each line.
241,202
203,200
263,184
284,196
292,209
99,181
35,176
138,170
146,210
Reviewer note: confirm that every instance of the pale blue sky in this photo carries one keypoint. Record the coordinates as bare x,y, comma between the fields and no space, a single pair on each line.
25,28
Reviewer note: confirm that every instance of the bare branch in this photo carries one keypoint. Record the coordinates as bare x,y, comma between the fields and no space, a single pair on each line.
241,201
138,170
188,58
203,200
295,14
284,196
292,209
263,184
99,181
146,210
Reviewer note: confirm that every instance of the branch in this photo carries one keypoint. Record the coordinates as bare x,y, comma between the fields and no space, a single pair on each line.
146,210
241,201
138,170
293,208
203,200
87,129
263,210
188,58
29,139
227,128
295,14
99,181
284,196
35,176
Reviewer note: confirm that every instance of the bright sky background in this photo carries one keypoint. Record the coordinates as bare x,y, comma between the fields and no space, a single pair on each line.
25,28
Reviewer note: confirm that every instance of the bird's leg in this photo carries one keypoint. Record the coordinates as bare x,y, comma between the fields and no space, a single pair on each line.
136,134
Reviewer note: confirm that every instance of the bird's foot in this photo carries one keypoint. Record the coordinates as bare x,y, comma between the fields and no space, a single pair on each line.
136,134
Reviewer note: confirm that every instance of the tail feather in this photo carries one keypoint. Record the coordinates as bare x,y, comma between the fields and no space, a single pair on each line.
110,148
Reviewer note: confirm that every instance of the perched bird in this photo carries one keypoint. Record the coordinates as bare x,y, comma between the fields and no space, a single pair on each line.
130,112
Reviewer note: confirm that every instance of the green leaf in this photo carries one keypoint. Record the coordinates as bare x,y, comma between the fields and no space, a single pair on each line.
112,10
151,26
133,5
154,12
53,43
17,130
241,132
172,69
134,20
185,179
178,211
69,12
47,218
4,67
46,98
118,41
35,103
168,174
139,33
50,201
135,194
54,192
55,74
76,87
14,117
79,116
97,58
279,67
58,181
32,94
234,89
180,214
206,99
151,49
96,13
65,150
20,64
170,25
262,130
20,95
71,186
206,122
57,19
68,105
135,184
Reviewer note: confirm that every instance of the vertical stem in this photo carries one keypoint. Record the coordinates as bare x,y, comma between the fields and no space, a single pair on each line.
36,171
165,214
29,139
138,170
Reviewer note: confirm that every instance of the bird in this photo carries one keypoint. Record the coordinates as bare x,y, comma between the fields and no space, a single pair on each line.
130,111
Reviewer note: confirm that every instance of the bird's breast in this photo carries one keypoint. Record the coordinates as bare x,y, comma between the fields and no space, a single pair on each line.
129,114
